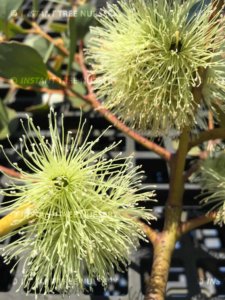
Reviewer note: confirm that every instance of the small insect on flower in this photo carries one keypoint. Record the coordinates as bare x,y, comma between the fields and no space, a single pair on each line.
83,210
148,55
212,180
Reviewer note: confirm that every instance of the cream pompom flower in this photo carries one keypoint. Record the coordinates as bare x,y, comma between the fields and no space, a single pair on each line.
212,180
84,207
147,55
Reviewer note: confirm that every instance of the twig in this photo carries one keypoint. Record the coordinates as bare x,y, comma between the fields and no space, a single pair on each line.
196,222
126,130
217,133
150,233
10,172
38,30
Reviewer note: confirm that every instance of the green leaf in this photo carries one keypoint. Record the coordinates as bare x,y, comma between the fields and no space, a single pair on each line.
39,108
84,19
35,4
78,27
58,27
3,115
73,41
220,116
76,101
87,39
8,121
64,3
40,44
21,63
13,29
80,88
8,8
76,66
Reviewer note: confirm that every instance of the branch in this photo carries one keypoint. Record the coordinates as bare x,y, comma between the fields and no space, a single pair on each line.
126,130
10,172
16,219
196,222
177,170
38,30
213,134
150,233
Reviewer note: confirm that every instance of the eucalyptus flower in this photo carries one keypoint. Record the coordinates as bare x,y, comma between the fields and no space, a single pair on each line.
214,87
84,207
212,180
147,56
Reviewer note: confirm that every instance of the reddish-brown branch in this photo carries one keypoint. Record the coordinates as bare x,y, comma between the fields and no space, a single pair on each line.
196,222
125,129
10,172
38,30
86,75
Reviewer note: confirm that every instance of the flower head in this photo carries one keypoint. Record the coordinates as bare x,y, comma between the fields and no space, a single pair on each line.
214,86
85,210
147,55
212,180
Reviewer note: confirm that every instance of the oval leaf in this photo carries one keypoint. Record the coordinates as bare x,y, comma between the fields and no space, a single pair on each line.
21,63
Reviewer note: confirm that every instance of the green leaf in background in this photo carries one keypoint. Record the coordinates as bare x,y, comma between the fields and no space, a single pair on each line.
13,29
220,116
58,27
35,8
64,3
21,63
8,121
40,44
78,27
84,19
73,42
76,67
195,151
87,39
39,108
8,8
77,102
80,88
